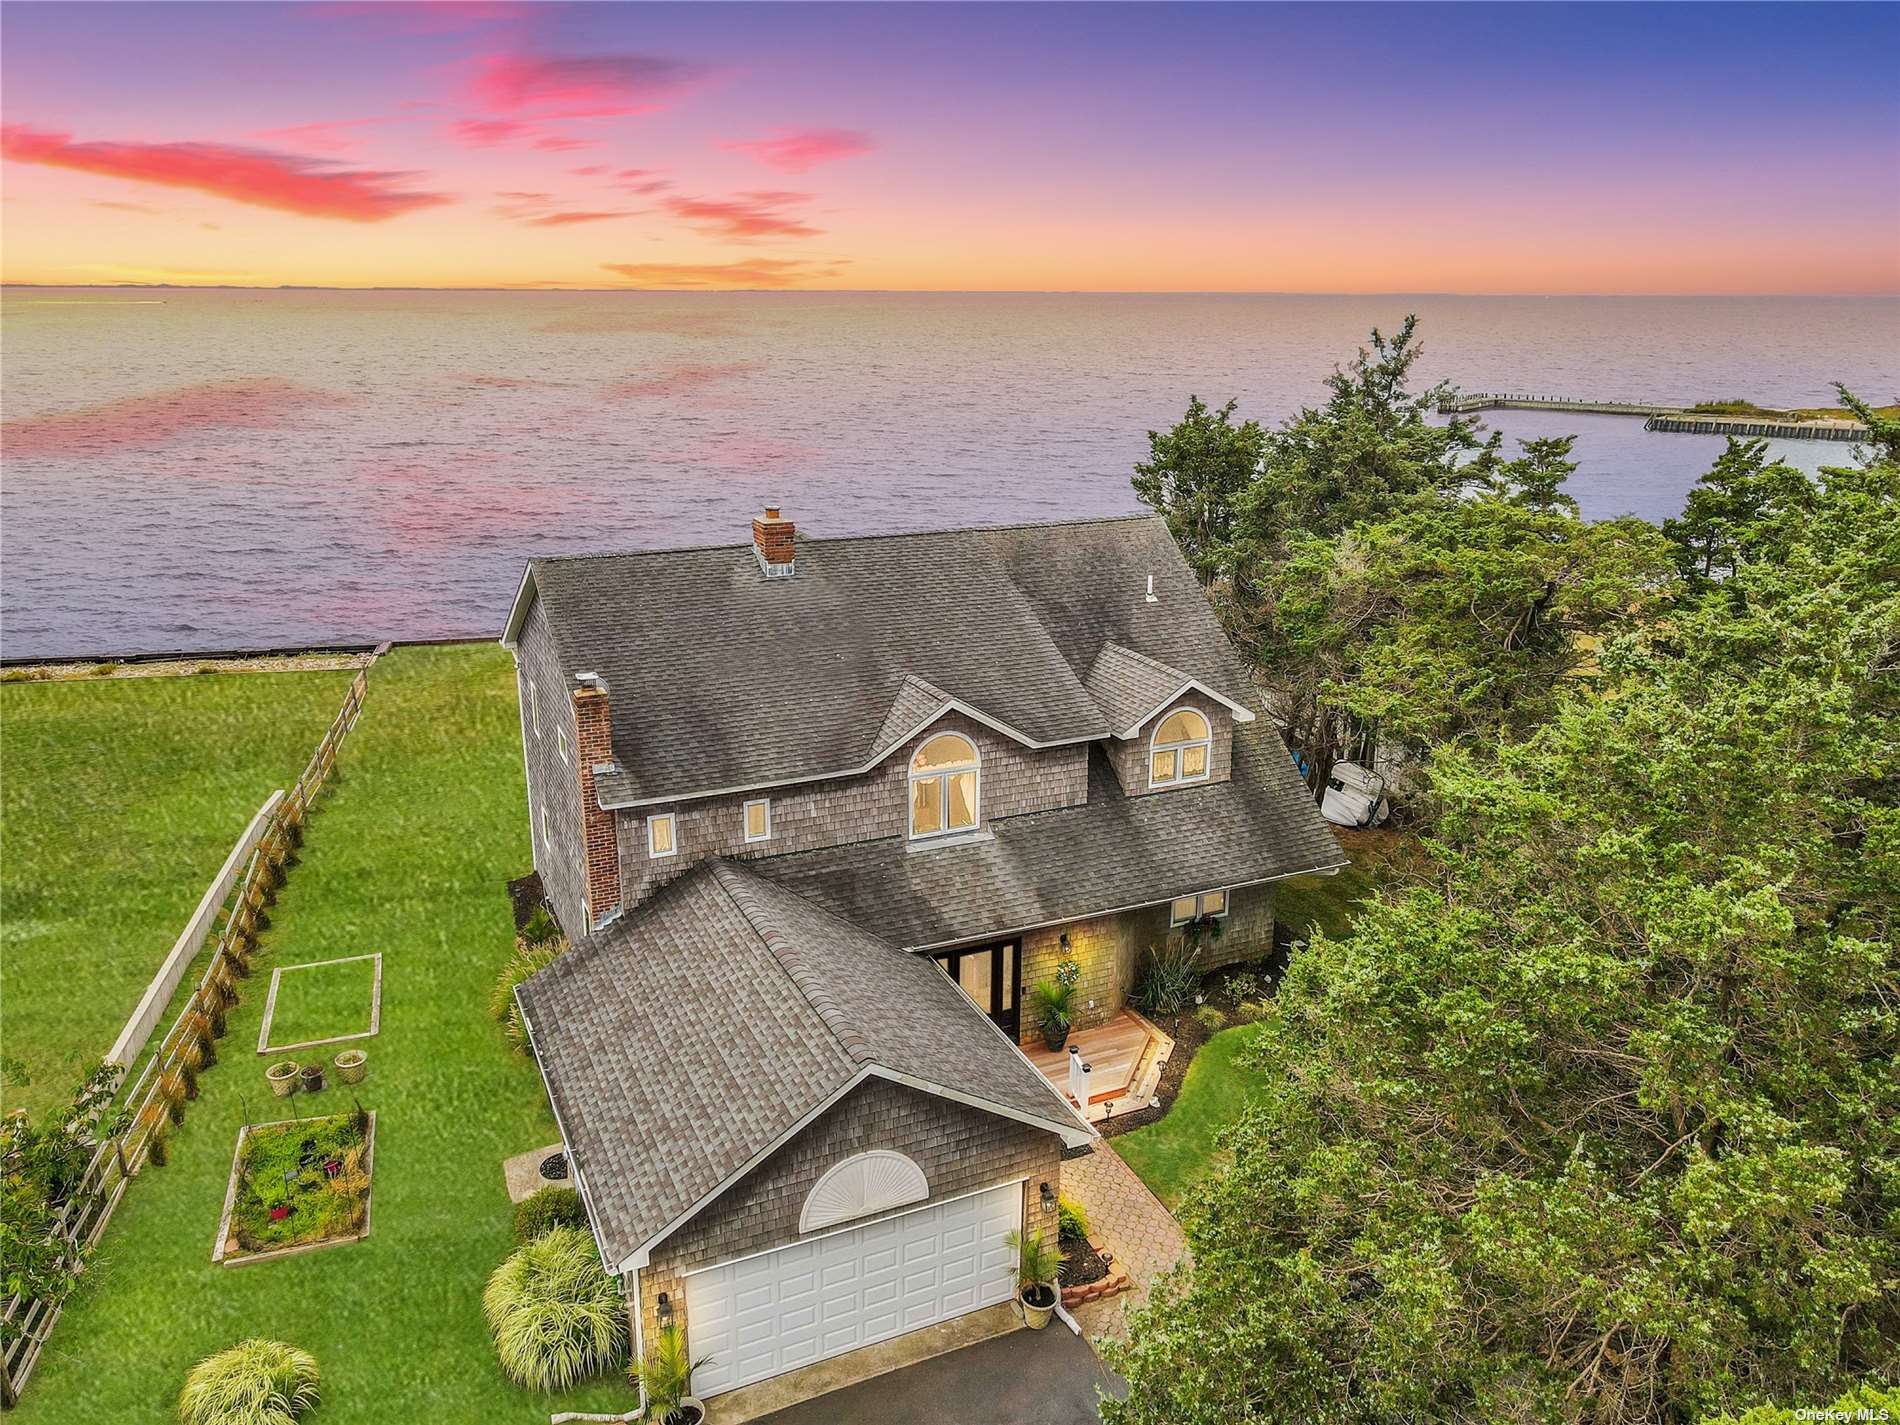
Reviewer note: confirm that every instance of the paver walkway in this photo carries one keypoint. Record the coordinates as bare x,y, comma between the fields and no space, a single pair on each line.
1143,1235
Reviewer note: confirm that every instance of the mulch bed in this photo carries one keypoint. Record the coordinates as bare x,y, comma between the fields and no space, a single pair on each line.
525,896
1081,1263
1189,1034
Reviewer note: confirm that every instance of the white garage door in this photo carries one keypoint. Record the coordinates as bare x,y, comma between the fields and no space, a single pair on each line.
772,1313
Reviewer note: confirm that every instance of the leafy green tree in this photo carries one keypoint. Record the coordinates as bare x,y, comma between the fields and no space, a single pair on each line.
1598,1121
1370,451
1732,509
1194,474
1535,479
1465,616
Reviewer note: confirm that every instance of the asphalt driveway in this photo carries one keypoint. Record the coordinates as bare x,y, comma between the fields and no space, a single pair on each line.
1047,1377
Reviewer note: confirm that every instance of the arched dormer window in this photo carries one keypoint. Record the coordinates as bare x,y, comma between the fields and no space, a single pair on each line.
1182,747
944,786
870,1182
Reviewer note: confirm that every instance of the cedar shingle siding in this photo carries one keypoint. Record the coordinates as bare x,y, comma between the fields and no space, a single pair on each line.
960,1150
1015,780
553,782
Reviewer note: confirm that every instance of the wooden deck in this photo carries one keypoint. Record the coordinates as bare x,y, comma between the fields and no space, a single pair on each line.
1124,1057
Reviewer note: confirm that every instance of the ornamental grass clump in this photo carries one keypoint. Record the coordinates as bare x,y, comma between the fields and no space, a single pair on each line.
255,1382
527,960
554,1312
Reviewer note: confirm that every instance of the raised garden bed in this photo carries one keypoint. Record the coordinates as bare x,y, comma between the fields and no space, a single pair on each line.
297,1185
324,1002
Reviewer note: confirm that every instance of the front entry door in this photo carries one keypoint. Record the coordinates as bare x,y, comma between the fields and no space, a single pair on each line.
988,975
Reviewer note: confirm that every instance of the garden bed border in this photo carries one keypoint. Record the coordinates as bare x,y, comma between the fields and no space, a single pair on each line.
264,1046
230,1198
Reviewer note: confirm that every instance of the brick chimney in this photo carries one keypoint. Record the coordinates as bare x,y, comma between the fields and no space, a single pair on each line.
593,746
772,542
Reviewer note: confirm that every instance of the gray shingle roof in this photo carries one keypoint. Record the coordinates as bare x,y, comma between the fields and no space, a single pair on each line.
686,1038
1127,685
720,678
1114,852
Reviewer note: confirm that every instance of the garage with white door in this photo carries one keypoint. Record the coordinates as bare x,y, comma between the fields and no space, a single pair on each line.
763,1315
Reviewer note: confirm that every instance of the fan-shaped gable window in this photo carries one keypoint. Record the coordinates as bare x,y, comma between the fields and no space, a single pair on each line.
1181,749
944,786
871,1182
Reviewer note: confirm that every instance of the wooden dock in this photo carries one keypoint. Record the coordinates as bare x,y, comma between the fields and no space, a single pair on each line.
1691,424
1663,418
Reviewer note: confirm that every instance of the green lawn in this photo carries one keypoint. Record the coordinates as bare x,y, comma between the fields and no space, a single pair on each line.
119,800
322,1001
406,855
1326,901
1175,1153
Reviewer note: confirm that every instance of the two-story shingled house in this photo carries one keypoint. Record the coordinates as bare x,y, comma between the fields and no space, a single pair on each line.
817,813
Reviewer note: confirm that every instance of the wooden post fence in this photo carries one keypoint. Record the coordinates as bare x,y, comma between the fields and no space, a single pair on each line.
155,1099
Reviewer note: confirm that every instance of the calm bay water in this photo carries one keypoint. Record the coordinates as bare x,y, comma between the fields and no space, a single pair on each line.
220,469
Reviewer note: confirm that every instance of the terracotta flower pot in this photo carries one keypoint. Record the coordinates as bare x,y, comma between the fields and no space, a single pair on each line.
282,1079
351,1065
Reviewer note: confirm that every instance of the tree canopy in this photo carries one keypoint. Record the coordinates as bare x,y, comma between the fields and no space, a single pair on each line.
1596,1120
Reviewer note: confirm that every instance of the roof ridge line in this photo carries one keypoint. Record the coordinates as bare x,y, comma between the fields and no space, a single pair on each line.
1147,658
845,538
731,881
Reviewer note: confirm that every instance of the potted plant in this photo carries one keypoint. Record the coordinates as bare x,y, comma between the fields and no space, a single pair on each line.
351,1065
665,1379
282,1077
1038,1263
312,1076
1051,1003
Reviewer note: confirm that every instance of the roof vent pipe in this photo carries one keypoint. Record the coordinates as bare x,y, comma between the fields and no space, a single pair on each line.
1151,590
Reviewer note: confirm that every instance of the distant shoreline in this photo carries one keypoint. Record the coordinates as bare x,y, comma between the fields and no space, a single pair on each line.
962,292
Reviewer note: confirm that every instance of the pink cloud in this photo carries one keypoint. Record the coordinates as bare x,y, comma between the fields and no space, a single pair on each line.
561,220
332,135
489,133
601,86
592,170
801,150
747,216
290,183
561,143
761,272
139,422
125,207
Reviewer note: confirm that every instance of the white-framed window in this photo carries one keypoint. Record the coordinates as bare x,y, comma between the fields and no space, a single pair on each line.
546,839
1189,908
534,704
758,819
945,787
561,733
662,835
1181,749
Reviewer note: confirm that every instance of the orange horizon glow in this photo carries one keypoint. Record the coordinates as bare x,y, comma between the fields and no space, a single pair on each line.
1271,149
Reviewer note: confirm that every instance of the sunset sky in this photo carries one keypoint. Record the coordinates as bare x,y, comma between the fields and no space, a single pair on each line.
1354,148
